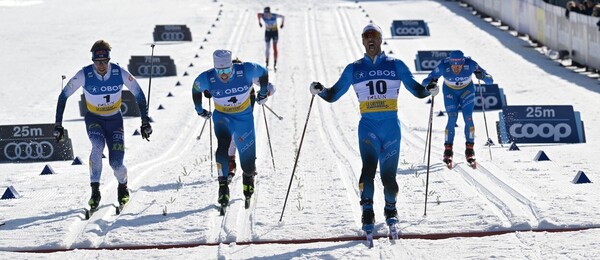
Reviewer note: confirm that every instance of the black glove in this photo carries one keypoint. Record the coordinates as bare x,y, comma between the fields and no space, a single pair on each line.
432,87
260,24
146,129
432,84
59,132
205,114
207,94
260,99
316,88
478,74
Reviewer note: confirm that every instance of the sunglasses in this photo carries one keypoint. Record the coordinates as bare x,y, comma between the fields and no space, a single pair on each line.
224,71
371,34
101,62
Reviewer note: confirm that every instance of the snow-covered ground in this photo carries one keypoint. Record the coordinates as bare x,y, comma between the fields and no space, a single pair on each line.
174,186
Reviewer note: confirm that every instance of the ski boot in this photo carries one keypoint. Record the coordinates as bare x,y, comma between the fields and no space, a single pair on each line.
470,154
122,197
448,155
122,194
368,221
391,219
275,65
391,216
232,168
95,199
248,182
223,194
267,63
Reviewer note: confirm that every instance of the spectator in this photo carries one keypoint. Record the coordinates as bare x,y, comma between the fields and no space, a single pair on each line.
587,7
596,12
572,6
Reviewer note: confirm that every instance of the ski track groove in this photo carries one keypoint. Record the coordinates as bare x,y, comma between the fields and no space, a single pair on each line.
100,222
507,203
330,132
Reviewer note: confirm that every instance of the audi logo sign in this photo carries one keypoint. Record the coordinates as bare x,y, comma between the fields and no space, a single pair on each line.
129,106
33,143
540,124
428,60
157,66
172,33
409,28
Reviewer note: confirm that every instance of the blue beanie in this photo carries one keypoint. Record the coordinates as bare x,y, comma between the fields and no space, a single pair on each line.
457,58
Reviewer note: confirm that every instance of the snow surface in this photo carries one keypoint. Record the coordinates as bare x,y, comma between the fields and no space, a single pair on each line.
45,39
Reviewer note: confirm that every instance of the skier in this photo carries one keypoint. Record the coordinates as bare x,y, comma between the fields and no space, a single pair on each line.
458,90
271,32
102,84
232,147
376,79
230,85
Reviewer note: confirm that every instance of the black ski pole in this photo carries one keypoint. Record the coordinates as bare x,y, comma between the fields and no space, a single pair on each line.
62,84
489,140
211,142
150,78
269,138
297,155
428,129
279,117
202,130
428,158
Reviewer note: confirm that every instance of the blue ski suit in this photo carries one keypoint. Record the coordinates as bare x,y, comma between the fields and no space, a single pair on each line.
232,114
458,90
377,85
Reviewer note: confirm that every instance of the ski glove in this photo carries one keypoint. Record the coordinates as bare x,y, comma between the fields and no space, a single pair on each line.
260,24
281,26
207,94
205,114
59,132
478,74
146,129
316,88
433,88
260,99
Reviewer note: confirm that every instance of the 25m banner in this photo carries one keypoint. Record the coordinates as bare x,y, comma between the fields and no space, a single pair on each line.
540,124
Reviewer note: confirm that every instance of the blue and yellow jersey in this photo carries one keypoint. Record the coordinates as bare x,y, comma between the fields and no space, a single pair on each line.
462,79
377,85
102,93
271,22
232,97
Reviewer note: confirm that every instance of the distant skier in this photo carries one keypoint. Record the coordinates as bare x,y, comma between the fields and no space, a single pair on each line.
376,79
458,90
230,86
271,32
102,84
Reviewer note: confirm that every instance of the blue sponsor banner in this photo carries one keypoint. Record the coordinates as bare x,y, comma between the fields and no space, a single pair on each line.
428,60
491,96
540,124
409,28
